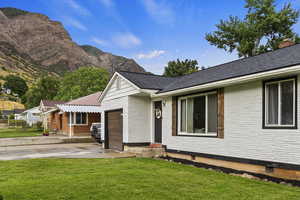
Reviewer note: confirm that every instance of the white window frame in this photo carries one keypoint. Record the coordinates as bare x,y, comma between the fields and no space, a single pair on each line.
266,100
74,119
214,134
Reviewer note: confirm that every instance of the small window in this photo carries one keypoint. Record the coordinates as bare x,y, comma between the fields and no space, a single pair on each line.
198,114
280,104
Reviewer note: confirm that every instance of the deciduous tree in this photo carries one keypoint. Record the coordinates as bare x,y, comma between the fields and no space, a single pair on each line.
82,82
179,68
261,30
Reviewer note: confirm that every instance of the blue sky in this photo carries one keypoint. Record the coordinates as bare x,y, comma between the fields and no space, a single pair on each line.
152,32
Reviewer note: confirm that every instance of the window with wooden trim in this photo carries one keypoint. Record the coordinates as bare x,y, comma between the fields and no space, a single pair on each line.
198,114
280,103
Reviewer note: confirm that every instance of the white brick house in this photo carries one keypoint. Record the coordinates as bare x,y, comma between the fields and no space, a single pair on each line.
242,115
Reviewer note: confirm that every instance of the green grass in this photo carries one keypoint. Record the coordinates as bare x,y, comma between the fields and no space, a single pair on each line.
132,178
19,132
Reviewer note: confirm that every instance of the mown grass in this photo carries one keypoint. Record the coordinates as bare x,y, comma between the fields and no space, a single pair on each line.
19,132
132,178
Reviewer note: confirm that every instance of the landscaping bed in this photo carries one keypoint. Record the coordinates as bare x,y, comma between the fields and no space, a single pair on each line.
132,178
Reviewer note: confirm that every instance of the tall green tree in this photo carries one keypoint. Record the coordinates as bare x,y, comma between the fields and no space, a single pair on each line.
179,68
45,88
82,82
16,84
261,30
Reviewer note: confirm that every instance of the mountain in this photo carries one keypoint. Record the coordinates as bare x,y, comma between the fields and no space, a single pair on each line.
31,44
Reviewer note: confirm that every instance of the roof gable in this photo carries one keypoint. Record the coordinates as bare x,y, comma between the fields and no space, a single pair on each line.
111,91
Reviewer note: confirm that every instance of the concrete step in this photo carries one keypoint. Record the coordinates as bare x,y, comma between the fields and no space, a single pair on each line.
21,141
147,151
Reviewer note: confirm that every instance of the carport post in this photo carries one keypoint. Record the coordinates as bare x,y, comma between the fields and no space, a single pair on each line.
70,118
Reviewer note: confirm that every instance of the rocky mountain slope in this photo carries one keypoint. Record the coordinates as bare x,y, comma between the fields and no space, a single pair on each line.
31,44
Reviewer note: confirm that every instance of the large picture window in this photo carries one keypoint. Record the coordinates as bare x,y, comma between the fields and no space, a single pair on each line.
280,104
197,114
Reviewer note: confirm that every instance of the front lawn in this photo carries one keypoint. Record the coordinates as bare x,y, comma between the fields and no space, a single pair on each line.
132,178
19,132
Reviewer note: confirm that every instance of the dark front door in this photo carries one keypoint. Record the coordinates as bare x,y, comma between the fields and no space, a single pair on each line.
114,130
157,121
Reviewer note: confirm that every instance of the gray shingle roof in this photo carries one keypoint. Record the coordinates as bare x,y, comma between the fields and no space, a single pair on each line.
147,81
280,58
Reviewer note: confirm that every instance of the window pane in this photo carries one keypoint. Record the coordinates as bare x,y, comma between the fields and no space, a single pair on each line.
199,114
183,115
83,118
212,106
287,102
190,127
272,103
78,118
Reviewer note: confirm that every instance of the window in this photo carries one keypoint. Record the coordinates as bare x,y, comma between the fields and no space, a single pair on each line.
198,114
280,104
78,119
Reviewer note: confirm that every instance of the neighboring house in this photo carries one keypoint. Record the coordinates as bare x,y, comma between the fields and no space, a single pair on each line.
75,117
32,116
45,106
16,112
242,115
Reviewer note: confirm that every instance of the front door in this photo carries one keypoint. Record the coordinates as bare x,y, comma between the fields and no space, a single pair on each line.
157,122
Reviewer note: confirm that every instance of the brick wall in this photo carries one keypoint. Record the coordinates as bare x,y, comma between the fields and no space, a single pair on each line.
85,129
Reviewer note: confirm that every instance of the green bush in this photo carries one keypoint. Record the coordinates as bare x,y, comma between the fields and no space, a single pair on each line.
39,126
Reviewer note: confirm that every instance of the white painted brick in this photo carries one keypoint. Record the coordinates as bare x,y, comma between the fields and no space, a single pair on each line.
244,136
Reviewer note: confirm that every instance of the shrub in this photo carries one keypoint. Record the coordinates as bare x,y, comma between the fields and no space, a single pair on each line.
39,126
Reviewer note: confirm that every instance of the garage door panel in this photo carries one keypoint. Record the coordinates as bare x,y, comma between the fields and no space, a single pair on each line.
115,130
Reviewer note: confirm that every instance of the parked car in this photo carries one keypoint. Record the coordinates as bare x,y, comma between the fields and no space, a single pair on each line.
96,131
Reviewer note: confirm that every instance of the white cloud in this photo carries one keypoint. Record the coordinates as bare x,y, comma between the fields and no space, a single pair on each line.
99,41
161,12
78,8
74,23
107,3
126,40
151,54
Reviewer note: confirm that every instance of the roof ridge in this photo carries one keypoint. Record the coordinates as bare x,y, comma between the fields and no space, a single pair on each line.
145,74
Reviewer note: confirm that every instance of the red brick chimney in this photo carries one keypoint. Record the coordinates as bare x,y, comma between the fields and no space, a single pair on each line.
286,43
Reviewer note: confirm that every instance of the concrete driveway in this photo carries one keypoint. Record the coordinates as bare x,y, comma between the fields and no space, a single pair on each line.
75,150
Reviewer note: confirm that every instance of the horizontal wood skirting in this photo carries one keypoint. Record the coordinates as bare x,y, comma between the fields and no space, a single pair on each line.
230,171
239,160
138,144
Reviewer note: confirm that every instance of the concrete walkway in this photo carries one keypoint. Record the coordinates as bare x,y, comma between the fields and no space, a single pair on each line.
38,140
75,150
